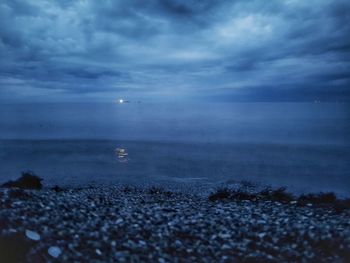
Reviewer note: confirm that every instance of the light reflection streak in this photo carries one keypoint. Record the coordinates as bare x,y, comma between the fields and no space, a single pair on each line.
122,155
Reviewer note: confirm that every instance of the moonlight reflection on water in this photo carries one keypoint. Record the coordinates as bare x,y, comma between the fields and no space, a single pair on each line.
122,155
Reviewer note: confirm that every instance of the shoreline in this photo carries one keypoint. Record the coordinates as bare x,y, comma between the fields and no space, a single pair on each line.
108,224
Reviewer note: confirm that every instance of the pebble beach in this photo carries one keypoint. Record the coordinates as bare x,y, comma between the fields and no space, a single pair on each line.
125,224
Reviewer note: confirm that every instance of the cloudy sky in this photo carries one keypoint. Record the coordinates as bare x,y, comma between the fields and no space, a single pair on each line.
90,50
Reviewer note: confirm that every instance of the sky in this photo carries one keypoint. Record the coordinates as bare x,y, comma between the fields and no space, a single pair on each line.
161,50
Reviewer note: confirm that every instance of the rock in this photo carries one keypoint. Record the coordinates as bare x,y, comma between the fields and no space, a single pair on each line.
142,243
120,255
56,188
32,235
54,251
178,243
119,221
262,235
225,236
12,230
225,246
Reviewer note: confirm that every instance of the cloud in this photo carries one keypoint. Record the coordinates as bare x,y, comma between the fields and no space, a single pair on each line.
237,50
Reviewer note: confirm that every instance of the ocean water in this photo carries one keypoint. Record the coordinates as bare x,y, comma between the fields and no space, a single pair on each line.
304,146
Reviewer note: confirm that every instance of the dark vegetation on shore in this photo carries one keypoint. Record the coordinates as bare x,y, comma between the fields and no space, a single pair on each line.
327,200
28,180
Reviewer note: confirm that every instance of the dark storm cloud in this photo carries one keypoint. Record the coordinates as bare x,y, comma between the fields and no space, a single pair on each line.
230,50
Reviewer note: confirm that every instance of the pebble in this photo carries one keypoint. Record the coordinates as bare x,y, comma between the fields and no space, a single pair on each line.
32,235
261,235
225,246
225,236
178,243
119,221
54,251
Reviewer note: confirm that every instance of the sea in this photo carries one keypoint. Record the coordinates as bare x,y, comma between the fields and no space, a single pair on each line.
302,146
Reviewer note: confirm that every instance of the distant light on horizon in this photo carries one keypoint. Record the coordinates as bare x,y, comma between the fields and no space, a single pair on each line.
121,100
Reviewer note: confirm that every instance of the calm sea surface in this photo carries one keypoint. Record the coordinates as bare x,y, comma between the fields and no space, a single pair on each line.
305,146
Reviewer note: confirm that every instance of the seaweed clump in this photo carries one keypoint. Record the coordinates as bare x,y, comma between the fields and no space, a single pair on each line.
28,180
326,200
